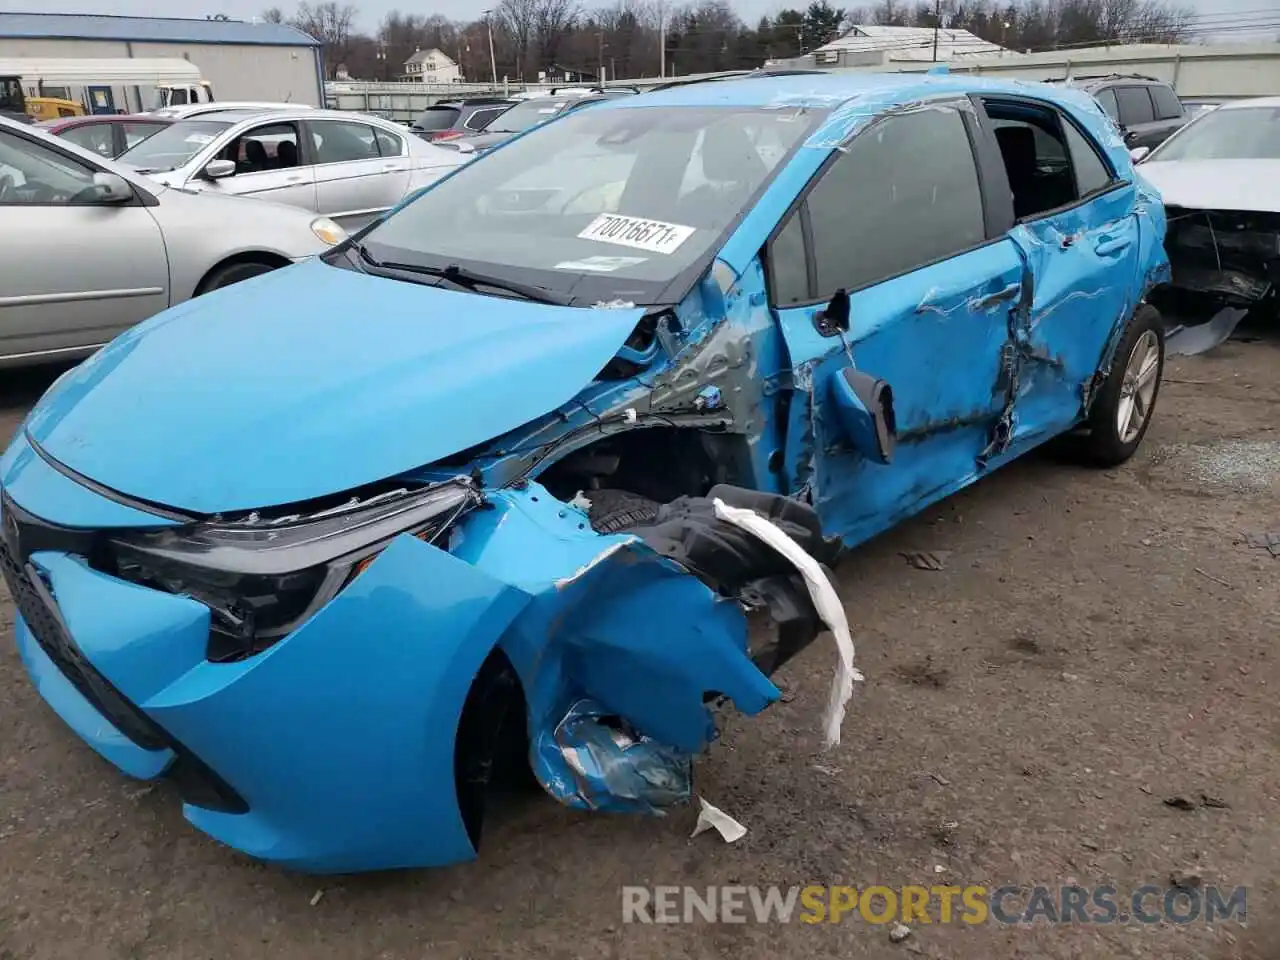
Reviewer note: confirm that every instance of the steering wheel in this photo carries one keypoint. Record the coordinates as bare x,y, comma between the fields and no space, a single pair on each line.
7,187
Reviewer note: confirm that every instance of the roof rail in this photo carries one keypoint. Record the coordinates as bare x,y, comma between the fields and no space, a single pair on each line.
1115,76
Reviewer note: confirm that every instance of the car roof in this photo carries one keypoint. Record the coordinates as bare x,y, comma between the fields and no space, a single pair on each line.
876,91
241,114
63,123
472,102
1251,102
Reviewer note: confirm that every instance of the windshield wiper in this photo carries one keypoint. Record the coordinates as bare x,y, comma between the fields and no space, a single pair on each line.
470,279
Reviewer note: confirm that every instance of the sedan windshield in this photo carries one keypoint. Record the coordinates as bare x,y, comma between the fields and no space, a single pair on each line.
1227,133
174,145
631,197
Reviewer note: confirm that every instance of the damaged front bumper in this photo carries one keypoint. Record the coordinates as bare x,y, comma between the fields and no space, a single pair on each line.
335,748
1230,256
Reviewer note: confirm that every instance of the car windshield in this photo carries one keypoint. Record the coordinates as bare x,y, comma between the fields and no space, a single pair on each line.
174,145
630,197
1232,133
528,114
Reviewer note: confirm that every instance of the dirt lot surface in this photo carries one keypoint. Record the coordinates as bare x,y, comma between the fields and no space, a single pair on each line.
1096,643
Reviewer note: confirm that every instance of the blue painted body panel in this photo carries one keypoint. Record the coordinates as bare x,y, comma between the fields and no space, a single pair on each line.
312,381
254,382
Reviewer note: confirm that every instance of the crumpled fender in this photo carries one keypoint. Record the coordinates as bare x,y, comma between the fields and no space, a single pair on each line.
609,619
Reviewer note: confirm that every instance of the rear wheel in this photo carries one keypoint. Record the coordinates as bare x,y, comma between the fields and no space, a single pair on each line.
225,276
1122,410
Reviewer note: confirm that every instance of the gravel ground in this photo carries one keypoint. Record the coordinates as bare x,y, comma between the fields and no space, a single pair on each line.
1096,643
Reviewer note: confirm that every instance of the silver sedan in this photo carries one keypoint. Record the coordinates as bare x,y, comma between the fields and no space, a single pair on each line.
348,166
90,248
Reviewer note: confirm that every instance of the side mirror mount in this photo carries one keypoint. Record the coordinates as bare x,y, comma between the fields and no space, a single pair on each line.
864,409
833,319
1138,154
111,188
220,169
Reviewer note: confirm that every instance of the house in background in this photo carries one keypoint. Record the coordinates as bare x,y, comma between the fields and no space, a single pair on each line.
431,66
879,46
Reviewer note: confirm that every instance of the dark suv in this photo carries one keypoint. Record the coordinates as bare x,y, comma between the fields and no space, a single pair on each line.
1146,109
450,119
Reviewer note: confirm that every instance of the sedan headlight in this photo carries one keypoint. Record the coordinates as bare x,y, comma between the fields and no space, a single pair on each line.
328,231
263,576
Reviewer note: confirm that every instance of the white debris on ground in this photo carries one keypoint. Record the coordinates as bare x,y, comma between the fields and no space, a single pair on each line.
713,818
825,600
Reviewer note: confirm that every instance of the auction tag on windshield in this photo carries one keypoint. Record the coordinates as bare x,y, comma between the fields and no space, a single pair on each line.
600,264
637,232
199,138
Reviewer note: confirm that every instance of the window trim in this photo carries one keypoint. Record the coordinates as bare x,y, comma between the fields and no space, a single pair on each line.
985,121
800,207
141,197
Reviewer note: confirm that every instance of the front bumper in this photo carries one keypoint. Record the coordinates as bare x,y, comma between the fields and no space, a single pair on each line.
333,750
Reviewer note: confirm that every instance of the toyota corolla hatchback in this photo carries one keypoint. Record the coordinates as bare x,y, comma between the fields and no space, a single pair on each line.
499,483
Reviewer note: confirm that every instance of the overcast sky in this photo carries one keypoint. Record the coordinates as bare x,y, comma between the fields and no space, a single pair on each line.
1212,13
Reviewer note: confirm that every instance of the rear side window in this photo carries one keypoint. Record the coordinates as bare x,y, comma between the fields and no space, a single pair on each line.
337,141
481,118
436,118
389,145
789,267
1167,104
1107,98
1091,172
903,195
97,137
1135,105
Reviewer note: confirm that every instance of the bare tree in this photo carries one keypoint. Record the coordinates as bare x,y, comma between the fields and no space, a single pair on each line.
331,24
552,20
273,15
519,19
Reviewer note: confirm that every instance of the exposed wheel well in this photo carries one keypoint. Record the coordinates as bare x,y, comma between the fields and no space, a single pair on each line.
491,746
661,463
272,260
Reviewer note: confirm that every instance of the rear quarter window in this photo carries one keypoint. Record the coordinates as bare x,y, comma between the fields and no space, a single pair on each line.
1168,107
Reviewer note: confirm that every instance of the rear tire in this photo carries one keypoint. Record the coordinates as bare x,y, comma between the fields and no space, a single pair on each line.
1122,410
225,276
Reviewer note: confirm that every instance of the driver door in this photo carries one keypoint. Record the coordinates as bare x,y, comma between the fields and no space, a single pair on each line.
900,222
77,272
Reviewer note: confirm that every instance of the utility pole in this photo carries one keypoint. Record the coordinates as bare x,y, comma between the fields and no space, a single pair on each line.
937,22
600,58
662,39
493,63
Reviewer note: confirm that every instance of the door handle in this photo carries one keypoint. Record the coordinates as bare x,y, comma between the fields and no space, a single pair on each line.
393,166
297,179
1106,246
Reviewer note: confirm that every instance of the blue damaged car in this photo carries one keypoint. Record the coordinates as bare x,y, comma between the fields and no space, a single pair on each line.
337,548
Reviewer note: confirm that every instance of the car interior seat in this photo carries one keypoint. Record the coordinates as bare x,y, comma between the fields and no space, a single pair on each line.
255,156
287,154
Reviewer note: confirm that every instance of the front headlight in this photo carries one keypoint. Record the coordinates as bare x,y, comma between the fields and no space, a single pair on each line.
262,576
328,231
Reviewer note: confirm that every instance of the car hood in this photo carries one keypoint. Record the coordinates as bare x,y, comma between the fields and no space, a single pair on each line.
1216,184
310,381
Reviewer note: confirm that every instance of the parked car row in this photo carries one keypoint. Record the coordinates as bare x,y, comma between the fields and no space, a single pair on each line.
485,483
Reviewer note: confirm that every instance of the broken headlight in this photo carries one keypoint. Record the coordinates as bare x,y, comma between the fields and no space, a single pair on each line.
263,576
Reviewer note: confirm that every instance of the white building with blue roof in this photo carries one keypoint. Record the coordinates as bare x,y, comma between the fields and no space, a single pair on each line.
242,60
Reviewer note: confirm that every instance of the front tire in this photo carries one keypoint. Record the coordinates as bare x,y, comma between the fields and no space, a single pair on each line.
1122,410
225,276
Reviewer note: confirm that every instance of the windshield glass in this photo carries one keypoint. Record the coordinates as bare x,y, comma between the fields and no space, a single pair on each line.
174,145
528,114
631,197
1233,133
